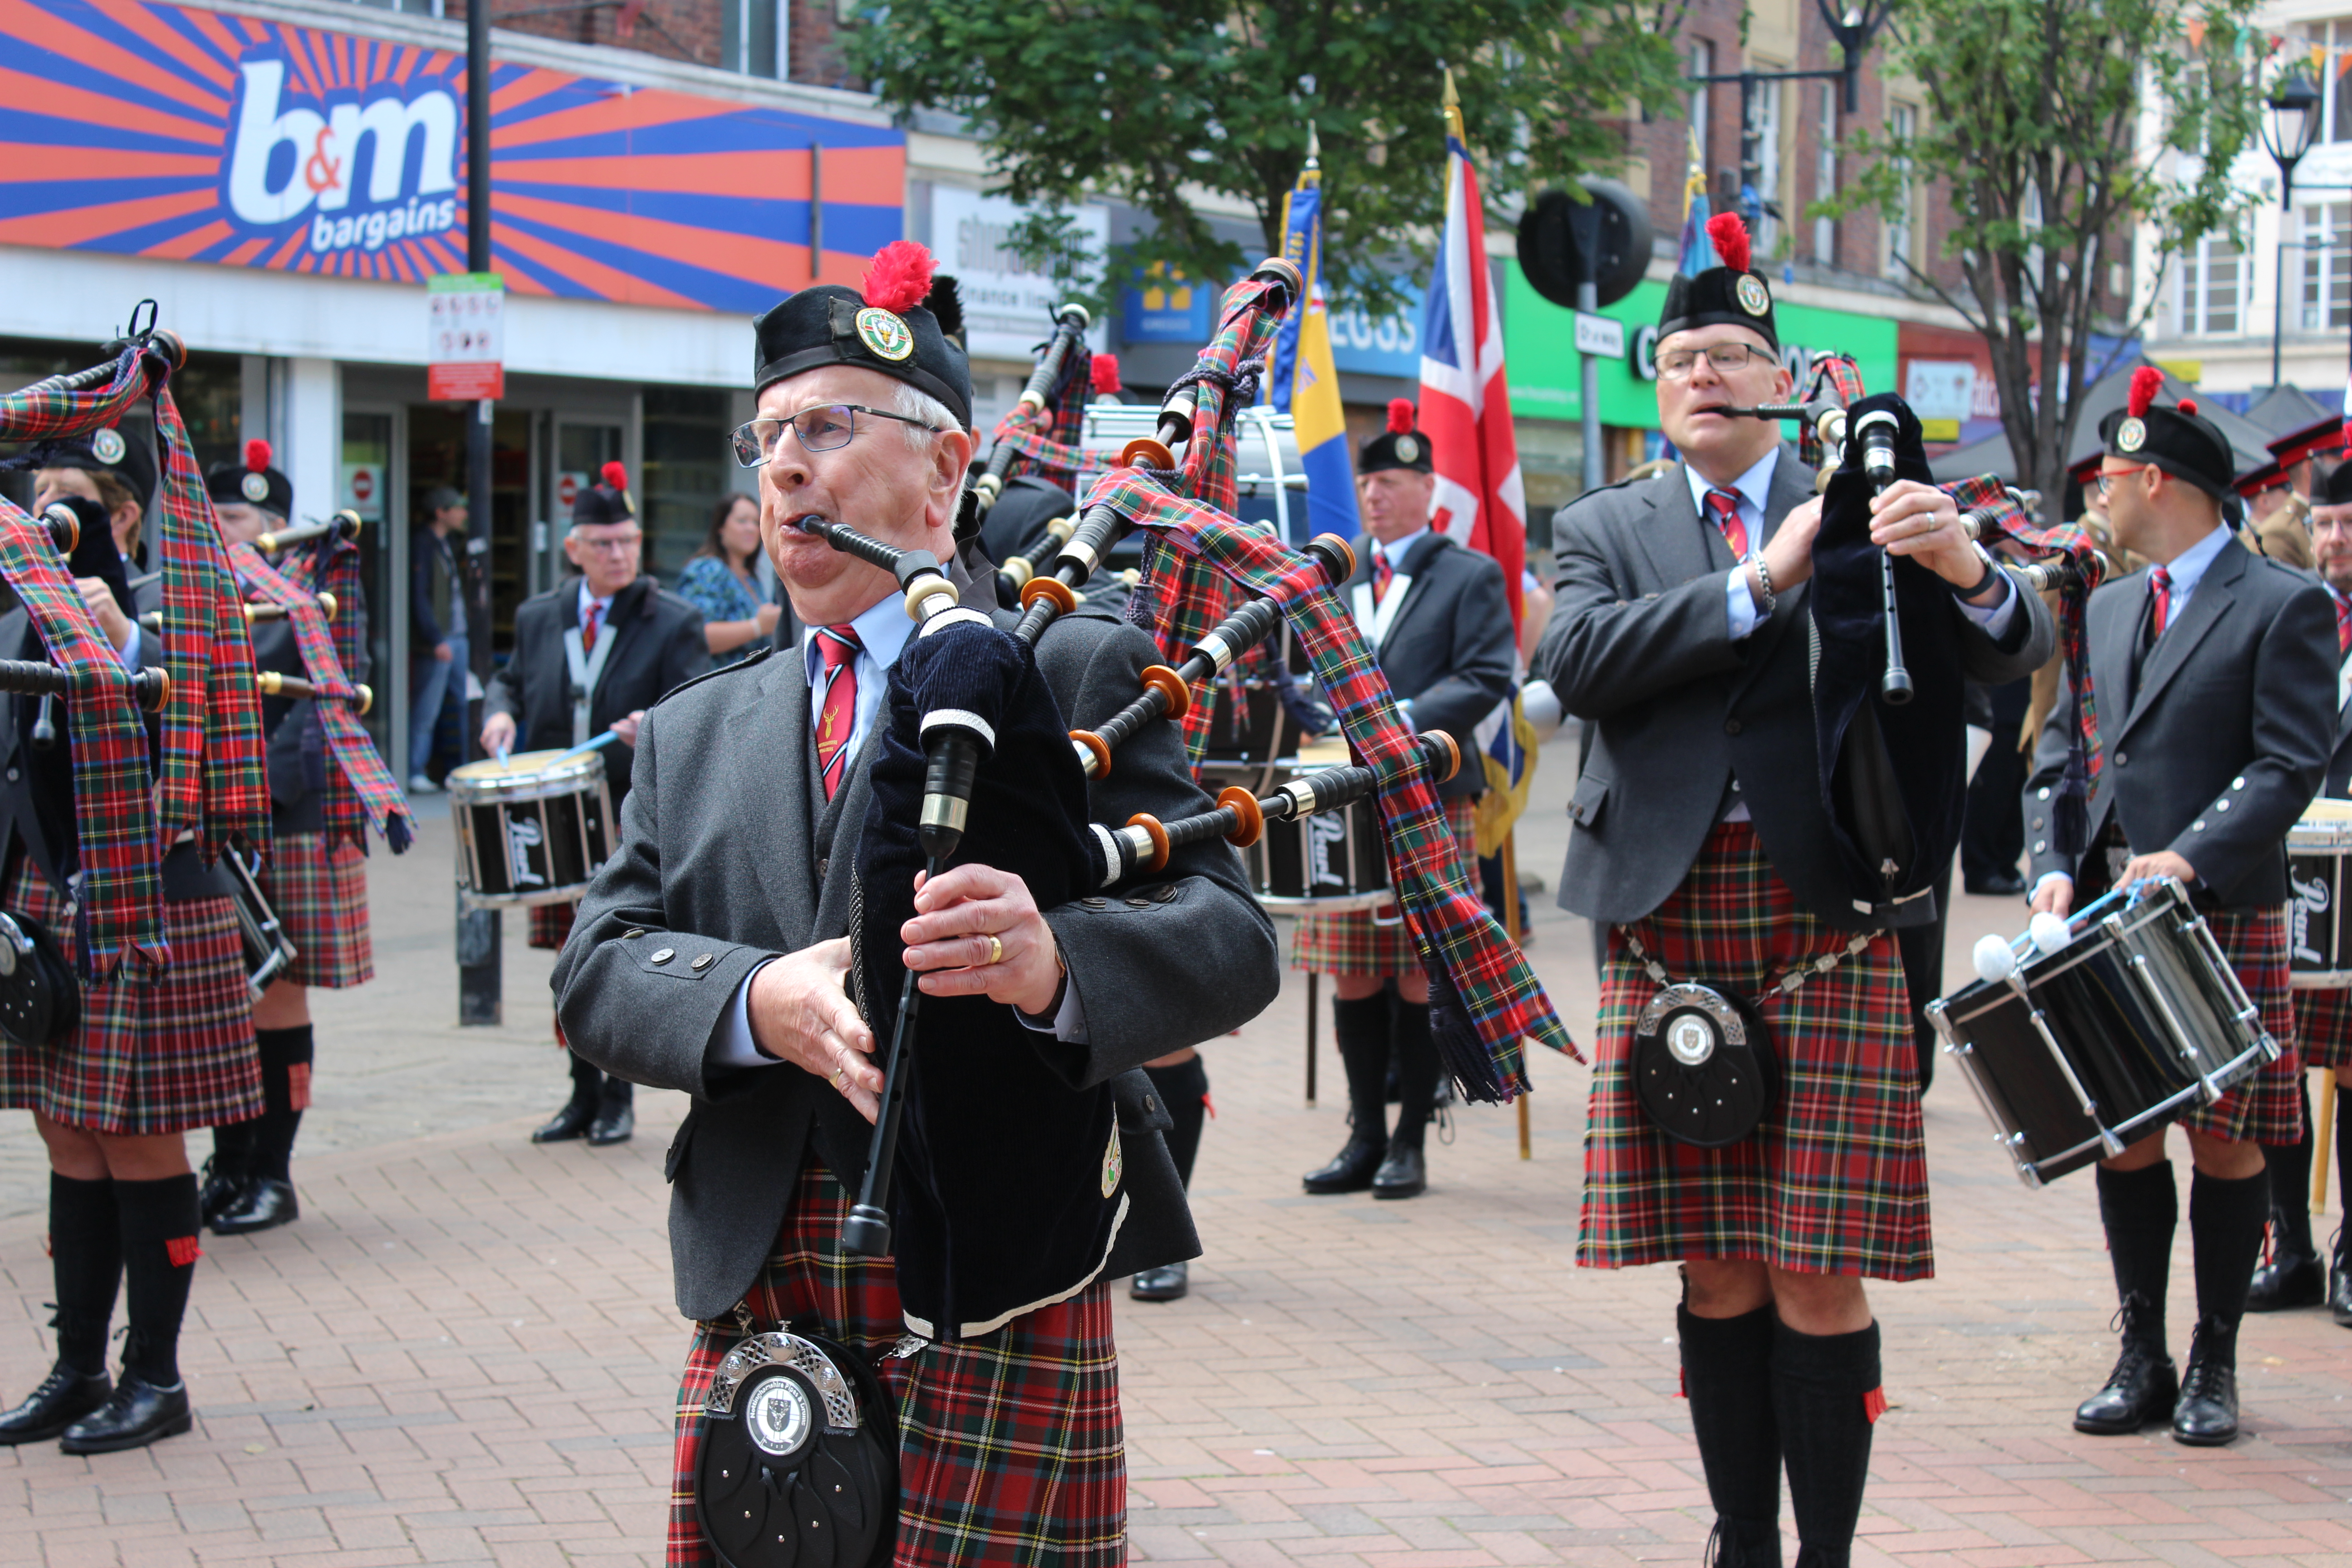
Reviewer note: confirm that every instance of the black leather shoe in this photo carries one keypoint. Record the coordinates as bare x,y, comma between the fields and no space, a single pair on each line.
613,1124
2207,1414
139,1414
2339,1290
1350,1170
569,1123
64,1397
2287,1281
1165,1283
1997,887
265,1205
2142,1388
222,1188
1403,1175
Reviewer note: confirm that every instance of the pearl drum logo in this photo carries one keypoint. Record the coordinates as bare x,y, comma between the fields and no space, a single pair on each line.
357,171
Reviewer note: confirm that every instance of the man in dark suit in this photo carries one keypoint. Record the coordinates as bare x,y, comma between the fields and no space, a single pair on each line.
711,953
1698,833
2214,678
591,655
1435,613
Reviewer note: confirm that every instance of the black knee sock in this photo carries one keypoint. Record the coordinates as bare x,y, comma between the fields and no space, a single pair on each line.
1184,1090
1728,1377
2139,1210
158,1261
1417,1070
1360,1027
232,1147
1826,1396
2290,1171
285,1056
587,1083
86,1262
2225,1223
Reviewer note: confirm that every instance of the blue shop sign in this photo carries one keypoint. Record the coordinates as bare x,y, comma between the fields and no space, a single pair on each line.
1390,346
1161,311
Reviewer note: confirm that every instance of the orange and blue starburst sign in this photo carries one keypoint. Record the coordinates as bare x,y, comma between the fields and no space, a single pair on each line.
193,135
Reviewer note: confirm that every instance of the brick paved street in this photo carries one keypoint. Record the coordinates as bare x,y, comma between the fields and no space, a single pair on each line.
464,1351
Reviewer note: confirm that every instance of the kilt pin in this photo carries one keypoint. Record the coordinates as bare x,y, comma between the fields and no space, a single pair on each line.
1835,1179
1010,1446
145,1059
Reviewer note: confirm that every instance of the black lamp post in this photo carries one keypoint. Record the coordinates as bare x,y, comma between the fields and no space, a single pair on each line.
2289,127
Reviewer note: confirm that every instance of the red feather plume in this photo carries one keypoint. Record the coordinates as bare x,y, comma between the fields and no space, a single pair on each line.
257,455
1730,237
1102,375
2186,405
615,475
899,277
1400,416
2146,383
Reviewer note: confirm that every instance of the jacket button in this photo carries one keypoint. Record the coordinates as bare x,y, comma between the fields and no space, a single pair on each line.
632,934
12,775
703,960
1164,894
665,955
1731,726
2222,805
2037,823
1094,903
2238,783
821,865
2197,825
1148,1104
2121,758
2042,794
1139,903
2039,846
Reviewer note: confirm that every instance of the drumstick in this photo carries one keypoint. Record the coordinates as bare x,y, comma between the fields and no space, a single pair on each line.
2322,1127
606,739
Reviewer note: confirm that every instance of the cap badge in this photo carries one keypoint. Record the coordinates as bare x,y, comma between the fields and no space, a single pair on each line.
886,333
255,487
108,445
2130,436
1750,291
1408,450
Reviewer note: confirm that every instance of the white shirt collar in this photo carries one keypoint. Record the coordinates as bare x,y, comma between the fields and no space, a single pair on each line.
1755,486
587,598
882,631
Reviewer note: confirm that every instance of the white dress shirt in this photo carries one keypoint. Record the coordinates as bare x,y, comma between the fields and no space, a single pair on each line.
1370,618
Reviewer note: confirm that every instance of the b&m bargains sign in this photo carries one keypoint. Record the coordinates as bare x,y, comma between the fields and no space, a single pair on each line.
194,135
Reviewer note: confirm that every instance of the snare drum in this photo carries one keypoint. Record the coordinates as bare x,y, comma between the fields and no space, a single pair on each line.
268,951
1326,863
1248,726
530,830
2318,937
2089,1048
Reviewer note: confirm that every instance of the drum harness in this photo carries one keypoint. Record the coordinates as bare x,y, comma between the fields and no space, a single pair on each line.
586,671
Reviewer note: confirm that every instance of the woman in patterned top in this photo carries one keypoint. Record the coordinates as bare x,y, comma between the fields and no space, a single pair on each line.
718,581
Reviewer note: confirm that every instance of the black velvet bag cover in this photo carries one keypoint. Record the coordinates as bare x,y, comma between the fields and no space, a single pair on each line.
1892,778
800,1469
1008,1189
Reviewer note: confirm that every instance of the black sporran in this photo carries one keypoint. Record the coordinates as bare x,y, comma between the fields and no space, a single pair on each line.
1704,1070
40,998
799,1462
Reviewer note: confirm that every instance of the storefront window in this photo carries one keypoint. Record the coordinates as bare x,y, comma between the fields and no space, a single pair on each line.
686,472
2327,266
366,475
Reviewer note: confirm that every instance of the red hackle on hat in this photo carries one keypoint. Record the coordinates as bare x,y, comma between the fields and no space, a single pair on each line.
1730,237
257,455
2146,383
614,473
1400,416
899,277
2186,405
1102,375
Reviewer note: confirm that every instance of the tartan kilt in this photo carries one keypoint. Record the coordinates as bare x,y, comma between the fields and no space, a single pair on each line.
551,925
1835,1180
1010,1446
145,1059
2266,1107
2323,1028
1352,943
319,895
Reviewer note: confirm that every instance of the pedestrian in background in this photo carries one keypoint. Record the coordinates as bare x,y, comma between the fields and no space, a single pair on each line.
722,580
437,630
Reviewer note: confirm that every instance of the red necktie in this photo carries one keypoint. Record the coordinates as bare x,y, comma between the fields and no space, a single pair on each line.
1724,507
588,629
2160,582
837,713
1383,574
2343,625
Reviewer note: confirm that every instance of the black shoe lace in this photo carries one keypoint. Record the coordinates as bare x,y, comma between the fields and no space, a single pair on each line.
2209,1375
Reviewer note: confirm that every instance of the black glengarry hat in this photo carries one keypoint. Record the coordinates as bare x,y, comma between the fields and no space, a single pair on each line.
1730,295
606,502
2179,439
1399,445
899,321
252,482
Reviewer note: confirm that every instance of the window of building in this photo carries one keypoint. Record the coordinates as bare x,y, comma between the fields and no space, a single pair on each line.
414,8
2327,266
751,36
1769,120
2215,282
1702,63
1825,175
1903,123
686,471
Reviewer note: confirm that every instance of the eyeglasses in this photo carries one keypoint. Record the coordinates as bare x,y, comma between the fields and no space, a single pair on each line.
621,544
1725,357
2107,476
821,429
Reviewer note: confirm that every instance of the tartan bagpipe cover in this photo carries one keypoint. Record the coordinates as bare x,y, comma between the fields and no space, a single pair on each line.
360,790
121,914
213,782
1048,438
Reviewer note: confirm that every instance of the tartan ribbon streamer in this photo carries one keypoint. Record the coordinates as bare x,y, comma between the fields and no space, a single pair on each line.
360,789
212,781
1471,963
1833,375
120,913
1047,439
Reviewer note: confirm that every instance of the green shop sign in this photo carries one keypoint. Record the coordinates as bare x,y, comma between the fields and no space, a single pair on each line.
1539,346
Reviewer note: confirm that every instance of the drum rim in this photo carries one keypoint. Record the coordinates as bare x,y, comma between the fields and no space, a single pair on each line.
574,775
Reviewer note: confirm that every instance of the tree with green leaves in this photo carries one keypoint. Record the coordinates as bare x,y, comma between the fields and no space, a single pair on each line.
2057,128
1158,102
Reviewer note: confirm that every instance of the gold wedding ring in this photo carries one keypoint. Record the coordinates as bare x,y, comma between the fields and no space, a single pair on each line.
840,1077
995,949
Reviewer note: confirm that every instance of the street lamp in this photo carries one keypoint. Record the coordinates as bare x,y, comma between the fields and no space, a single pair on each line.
2288,129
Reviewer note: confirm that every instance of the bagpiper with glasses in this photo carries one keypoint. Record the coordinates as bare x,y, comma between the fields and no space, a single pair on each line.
591,655
2214,678
1700,839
